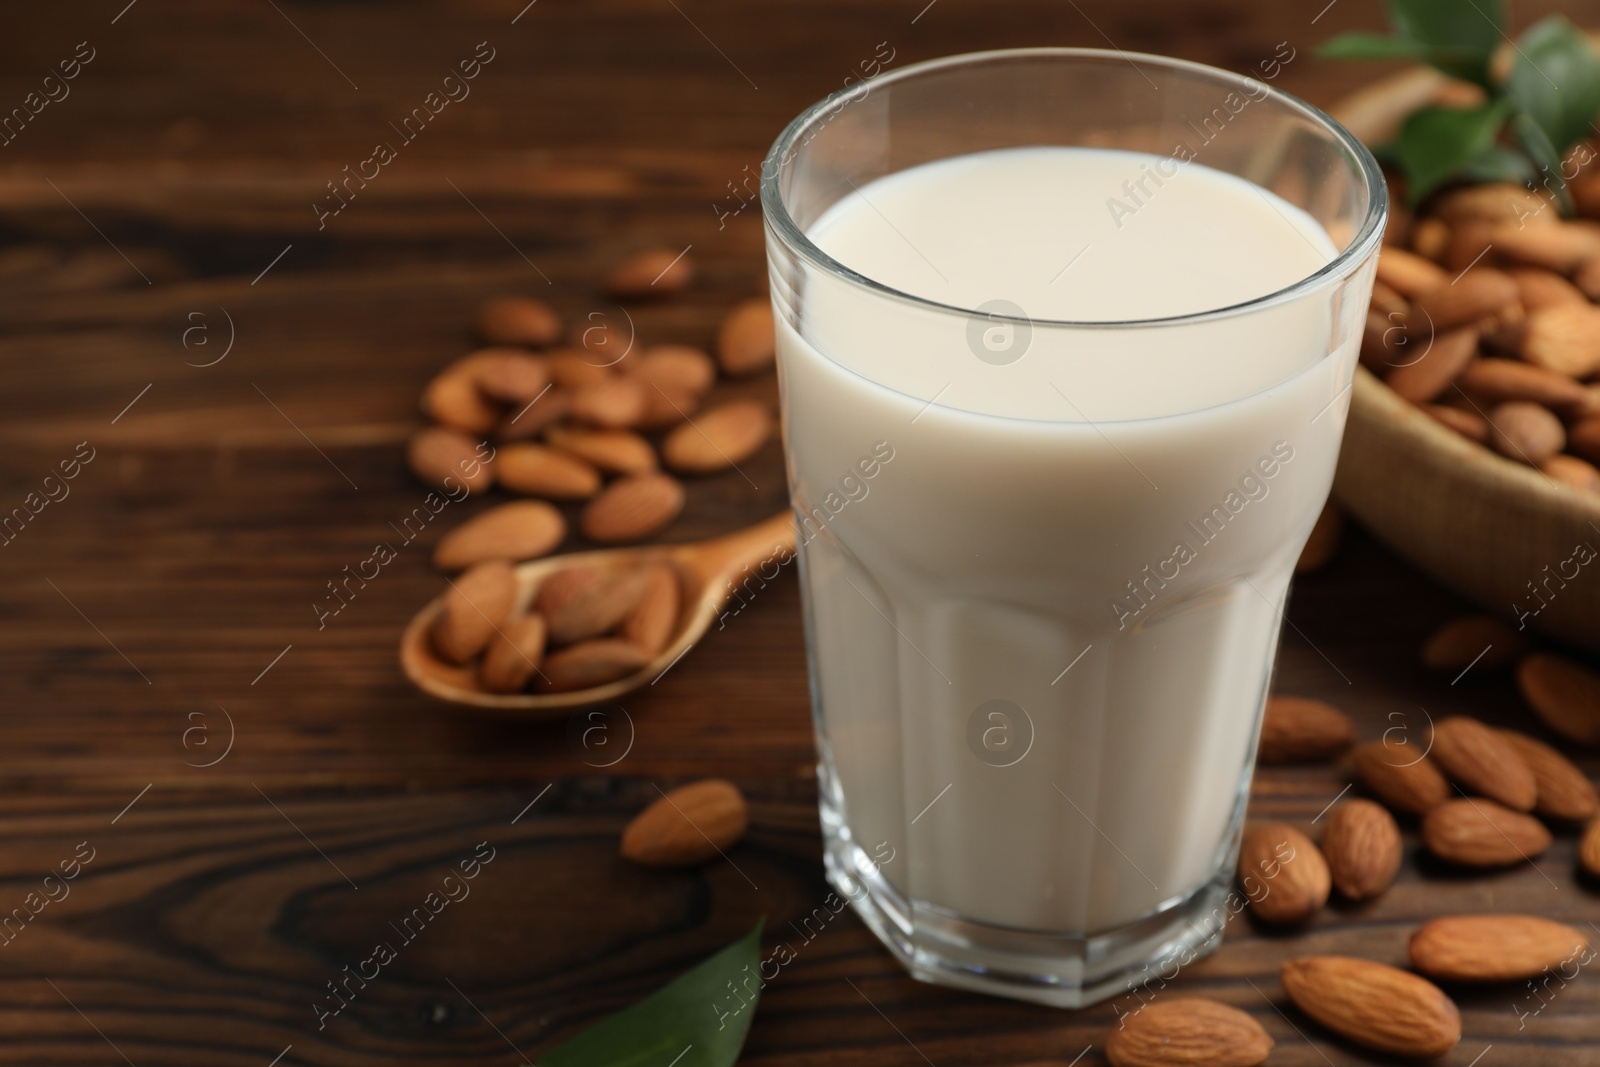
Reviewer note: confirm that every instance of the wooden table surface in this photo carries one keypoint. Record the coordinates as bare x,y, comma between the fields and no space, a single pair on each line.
261,797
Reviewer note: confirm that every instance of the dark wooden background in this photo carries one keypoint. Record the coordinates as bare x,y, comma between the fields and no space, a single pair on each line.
170,594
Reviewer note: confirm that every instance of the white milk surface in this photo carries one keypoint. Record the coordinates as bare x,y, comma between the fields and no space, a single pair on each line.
1099,533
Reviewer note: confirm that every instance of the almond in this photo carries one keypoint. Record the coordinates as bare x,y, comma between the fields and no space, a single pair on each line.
474,607
1584,439
1525,431
1565,338
1565,792
745,341
1188,1031
1564,694
1387,301
523,529
573,369
1363,848
1473,641
688,825
1477,294
531,418
1469,240
1383,341
602,343
1589,849
590,663
614,404
509,376
1562,247
666,406
1539,288
1292,869
1493,948
654,619
613,451
654,272
548,472
1432,362
453,399
513,655
596,610
1409,274
1474,832
1401,776
1378,1006
1327,533
1586,279
1482,761
1469,425
1495,202
676,367
561,588
1303,730
515,320
447,459
718,438
1510,379
1570,470
1430,237
633,508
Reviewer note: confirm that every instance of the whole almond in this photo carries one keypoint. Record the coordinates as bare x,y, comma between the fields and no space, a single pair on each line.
1387,301
530,419
1493,948
1401,776
1293,871
1540,288
666,406
1525,431
1478,293
745,340
573,369
632,508
448,460
654,619
1511,379
1565,338
1570,470
614,404
590,663
548,472
1482,761
1495,202
515,320
562,587
676,367
1589,849
509,376
1430,237
687,825
1477,641
1565,695
1474,832
475,605
513,655
718,438
522,529
1472,426
613,451
1375,1005
654,272
1303,730
1431,362
1470,240
1584,440
1187,1032
1409,274
1363,848
1562,247
453,399
1327,534
1565,792
596,610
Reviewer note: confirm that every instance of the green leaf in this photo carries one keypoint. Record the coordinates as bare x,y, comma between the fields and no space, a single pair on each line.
1371,46
1437,142
696,1020
1531,136
1556,80
1460,35
1499,164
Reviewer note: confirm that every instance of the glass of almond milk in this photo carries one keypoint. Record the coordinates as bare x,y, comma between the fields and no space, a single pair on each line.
1065,343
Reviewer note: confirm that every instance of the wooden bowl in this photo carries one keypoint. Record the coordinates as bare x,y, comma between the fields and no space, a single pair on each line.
1496,531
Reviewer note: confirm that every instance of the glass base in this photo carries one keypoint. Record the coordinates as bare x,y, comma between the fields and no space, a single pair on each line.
1060,971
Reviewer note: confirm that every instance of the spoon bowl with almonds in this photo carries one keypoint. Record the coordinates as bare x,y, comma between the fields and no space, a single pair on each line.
541,638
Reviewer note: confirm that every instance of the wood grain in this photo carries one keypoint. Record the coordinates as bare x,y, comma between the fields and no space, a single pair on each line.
191,549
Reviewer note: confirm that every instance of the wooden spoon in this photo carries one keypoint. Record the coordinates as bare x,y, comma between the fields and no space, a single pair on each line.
707,573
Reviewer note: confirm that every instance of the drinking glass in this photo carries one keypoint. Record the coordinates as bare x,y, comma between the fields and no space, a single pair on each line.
1036,717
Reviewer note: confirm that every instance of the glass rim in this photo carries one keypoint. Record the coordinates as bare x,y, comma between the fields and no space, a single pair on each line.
1341,266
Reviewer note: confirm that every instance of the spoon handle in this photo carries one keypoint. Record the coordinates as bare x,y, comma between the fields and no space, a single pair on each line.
719,564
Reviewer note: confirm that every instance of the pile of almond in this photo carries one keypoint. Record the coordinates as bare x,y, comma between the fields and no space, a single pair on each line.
1483,316
587,427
